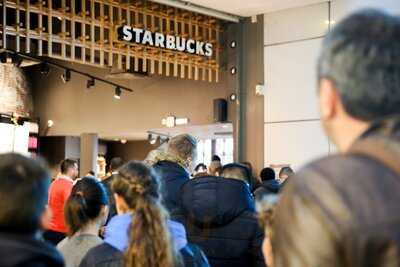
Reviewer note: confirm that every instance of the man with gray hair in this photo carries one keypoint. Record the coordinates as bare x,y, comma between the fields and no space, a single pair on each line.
343,210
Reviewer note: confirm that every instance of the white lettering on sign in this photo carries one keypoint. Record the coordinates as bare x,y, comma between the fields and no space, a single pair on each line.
140,36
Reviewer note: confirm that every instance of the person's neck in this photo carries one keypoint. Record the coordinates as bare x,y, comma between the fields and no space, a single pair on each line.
349,133
92,228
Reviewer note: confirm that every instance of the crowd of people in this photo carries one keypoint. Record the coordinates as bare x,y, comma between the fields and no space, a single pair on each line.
341,210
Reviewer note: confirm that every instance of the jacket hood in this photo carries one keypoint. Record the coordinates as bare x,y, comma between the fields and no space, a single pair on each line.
170,170
117,232
20,250
215,200
271,185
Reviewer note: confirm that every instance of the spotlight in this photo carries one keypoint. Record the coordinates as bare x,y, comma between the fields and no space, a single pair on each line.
152,139
118,92
90,83
44,69
66,76
233,70
233,44
233,97
124,141
50,123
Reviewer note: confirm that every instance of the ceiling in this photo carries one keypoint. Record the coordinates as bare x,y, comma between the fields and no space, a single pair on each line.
252,7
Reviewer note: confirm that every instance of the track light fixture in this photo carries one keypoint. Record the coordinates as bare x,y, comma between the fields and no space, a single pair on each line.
8,56
152,139
118,92
44,69
90,83
66,76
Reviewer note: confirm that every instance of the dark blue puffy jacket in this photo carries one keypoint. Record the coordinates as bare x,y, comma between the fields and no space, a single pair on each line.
219,217
172,177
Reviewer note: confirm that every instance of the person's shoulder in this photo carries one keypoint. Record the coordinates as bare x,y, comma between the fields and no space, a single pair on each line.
335,167
102,253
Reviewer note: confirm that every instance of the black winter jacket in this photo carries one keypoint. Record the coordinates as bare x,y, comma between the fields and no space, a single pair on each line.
26,251
172,176
105,255
219,216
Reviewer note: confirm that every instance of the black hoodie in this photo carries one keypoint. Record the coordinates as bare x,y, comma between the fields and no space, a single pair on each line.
219,217
25,251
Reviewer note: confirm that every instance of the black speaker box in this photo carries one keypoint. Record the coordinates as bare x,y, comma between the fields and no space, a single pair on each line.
220,110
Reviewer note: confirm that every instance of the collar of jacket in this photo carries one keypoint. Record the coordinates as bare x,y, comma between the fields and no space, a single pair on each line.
388,128
117,232
163,156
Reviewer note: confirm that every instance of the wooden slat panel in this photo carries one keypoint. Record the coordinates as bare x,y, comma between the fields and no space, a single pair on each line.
92,31
111,36
63,28
83,30
118,24
40,30
178,64
50,29
73,32
18,26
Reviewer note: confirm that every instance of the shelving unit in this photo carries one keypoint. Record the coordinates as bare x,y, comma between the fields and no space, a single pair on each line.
85,31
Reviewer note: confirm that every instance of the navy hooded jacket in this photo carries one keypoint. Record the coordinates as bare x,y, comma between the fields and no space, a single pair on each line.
172,177
17,250
219,217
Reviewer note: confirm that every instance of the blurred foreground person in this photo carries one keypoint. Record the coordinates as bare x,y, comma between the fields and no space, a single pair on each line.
85,212
344,210
174,167
219,216
269,184
24,185
59,192
141,235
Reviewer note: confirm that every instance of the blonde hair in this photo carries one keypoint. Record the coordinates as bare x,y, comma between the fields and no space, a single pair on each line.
150,243
183,146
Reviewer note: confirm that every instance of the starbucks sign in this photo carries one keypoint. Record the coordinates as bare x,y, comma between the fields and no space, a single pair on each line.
171,42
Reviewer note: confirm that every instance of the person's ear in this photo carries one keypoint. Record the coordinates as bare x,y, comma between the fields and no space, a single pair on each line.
328,99
45,218
120,204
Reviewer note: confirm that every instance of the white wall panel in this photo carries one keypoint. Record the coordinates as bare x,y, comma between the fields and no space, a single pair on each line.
294,143
6,137
290,79
296,24
342,8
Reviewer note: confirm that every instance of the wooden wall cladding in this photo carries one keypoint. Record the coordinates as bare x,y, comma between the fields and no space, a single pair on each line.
85,31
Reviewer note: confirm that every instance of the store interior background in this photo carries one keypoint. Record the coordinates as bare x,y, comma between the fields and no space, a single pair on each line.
277,46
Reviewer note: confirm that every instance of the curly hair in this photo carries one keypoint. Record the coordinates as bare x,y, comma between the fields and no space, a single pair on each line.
150,242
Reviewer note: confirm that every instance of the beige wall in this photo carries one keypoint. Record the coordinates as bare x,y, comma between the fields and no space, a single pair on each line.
133,150
75,110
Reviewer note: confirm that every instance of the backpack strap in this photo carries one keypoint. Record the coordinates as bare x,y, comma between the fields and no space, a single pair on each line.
379,149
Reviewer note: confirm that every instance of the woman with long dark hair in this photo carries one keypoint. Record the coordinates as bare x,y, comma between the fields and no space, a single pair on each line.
85,213
141,235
